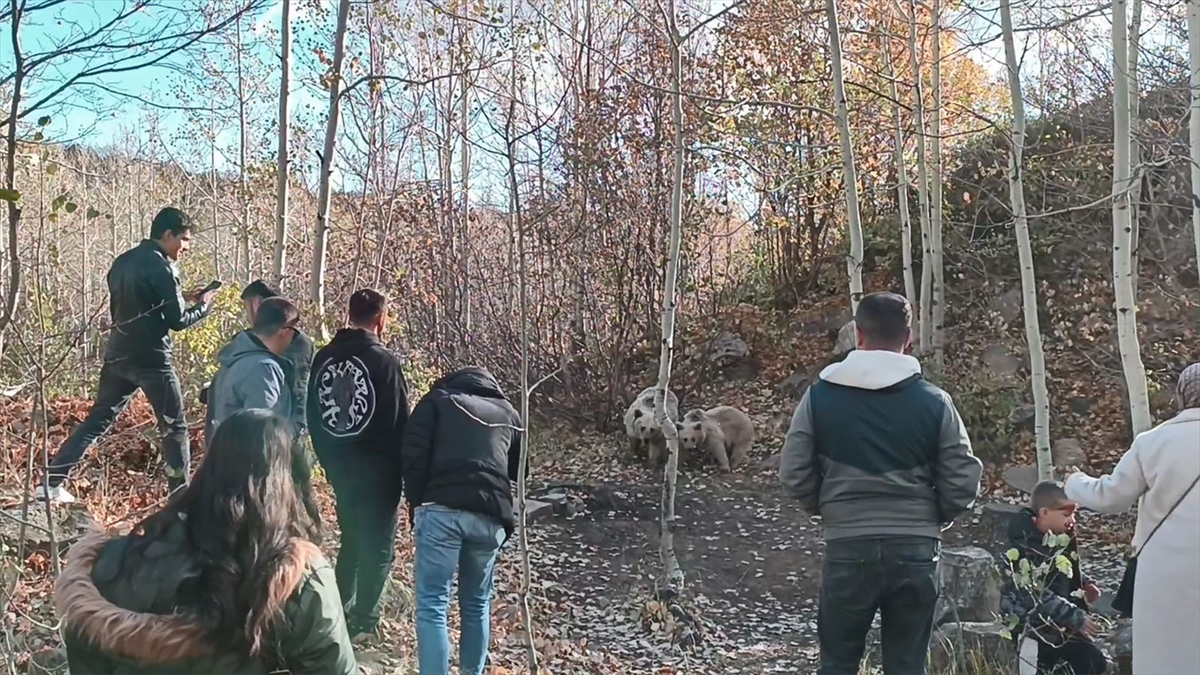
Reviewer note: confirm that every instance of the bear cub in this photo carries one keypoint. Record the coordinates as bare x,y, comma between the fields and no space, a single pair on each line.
724,431
643,431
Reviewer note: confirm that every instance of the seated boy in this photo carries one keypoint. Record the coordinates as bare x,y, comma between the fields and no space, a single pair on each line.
1053,613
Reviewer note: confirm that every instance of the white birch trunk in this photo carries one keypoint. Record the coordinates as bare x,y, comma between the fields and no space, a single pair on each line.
1135,147
925,315
1193,24
672,575
1016,184
1127,337
279,259
938,297
321,233
910,289
850,176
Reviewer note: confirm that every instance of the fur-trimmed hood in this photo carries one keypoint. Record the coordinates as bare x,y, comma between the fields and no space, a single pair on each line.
150,639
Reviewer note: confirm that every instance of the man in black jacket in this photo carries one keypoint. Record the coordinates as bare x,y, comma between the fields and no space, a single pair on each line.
461,452
357,409
145,303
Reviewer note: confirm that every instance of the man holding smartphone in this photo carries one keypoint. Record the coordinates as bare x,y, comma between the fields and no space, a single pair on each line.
145,304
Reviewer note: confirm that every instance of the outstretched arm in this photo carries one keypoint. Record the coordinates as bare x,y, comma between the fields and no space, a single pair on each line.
1114,493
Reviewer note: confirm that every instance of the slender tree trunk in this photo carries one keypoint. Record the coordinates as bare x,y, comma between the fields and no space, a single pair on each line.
672,575
324,193
1016,184
910,289
1127,337
12,196
854,261
1193,23
516,225
924,337
938,297
1135,146
279,259
243,241
465,208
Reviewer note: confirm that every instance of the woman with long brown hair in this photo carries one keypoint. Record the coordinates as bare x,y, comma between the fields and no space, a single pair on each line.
224,579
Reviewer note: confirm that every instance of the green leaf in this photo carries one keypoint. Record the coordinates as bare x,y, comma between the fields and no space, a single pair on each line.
44,121
9,195
1063,563
1004,632
51,169
1064,540
70,207
1012,554
92,213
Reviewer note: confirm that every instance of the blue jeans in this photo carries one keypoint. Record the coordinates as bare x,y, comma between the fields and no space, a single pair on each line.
449,540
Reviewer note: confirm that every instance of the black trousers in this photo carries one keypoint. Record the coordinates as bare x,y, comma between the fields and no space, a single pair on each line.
1077,656
119,381
896,576
367,489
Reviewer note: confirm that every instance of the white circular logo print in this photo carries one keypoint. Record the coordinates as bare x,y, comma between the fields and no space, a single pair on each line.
346,397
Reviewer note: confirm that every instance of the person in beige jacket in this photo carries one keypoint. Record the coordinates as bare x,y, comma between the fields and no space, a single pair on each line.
1156,473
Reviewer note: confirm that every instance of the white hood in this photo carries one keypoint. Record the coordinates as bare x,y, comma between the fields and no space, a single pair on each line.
871,369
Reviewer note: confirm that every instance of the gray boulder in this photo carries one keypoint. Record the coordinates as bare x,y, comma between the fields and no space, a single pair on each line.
1068,452
970,586
846,339
728,348
1021,478
70,524
971,647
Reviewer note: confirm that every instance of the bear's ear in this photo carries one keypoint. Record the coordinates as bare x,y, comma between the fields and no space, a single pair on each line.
637,412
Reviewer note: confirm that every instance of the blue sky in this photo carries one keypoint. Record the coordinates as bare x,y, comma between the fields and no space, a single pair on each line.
95,117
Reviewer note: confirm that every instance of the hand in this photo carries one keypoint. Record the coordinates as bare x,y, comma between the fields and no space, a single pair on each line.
1091,593
1088,627
1070,471
206,298
193,296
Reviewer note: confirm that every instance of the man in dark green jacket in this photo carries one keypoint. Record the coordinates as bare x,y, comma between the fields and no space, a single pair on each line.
145,304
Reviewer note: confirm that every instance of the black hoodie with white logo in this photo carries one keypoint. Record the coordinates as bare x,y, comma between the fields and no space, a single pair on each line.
357,399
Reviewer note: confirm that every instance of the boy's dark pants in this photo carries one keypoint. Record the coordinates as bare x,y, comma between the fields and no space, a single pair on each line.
119,382
367,489
1077,656
896,576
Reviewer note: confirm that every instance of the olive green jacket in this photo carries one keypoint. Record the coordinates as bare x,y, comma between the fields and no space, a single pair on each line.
118,622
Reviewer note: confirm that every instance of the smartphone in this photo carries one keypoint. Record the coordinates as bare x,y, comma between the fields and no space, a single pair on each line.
212,286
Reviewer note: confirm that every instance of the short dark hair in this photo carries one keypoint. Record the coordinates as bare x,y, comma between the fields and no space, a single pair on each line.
258,289
170,220
366,304
274,315
884,318
1047,495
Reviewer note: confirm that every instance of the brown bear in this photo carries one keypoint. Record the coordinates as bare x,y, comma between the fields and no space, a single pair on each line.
641,428
726,432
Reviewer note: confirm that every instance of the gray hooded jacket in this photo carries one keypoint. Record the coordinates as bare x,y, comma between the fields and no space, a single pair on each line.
876,450
251,376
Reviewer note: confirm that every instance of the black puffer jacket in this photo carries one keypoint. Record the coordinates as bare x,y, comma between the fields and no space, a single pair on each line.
462,446
145,304
1055,607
